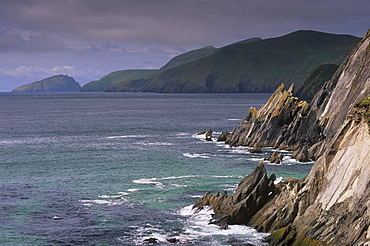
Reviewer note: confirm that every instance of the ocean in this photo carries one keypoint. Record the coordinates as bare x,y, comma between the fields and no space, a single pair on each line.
121,168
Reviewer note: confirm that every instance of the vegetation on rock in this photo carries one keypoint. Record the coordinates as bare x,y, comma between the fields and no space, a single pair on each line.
315,81
121,76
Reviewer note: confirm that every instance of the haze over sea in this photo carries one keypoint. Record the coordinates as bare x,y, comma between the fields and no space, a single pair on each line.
119,168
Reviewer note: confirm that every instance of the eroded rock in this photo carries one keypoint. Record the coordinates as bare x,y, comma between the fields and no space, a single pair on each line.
251,194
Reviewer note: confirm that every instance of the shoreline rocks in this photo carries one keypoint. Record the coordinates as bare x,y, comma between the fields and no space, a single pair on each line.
251,194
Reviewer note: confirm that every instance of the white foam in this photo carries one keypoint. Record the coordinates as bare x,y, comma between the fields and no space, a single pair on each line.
132,190
123,193
197,226
278,180
129,136
100,202
256,159
154,143
202,136
148,181
189,155
179,177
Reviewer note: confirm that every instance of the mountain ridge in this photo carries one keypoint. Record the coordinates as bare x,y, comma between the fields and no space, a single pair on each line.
257,66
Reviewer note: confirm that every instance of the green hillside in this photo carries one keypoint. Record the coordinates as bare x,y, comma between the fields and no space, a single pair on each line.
189,57
57,83
116,77
315,81
258,66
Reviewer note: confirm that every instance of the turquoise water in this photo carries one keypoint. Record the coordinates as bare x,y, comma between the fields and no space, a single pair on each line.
119,168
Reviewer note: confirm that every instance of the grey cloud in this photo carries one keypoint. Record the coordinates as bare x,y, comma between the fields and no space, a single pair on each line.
13,40
190,22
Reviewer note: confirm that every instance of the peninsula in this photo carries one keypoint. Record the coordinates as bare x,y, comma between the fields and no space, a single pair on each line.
331,205
57,83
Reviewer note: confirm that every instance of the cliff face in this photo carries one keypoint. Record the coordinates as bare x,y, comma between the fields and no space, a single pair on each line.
331,205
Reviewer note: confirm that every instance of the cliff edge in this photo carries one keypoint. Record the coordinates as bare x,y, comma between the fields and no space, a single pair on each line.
331,205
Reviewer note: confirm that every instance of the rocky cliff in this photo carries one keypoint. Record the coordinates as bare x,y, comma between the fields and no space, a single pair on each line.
331,205
57,83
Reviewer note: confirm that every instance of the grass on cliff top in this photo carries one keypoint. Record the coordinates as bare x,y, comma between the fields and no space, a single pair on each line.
365,103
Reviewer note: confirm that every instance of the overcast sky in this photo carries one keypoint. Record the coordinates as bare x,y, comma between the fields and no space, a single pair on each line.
87,39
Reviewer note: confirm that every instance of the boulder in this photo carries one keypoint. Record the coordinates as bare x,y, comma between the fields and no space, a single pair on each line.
223,136
150,240
255,149
275,157
302,154
208,135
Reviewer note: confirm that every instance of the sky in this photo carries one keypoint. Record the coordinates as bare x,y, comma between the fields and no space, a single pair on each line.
87,39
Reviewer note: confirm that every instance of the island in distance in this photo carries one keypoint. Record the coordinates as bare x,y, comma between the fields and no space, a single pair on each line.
57,83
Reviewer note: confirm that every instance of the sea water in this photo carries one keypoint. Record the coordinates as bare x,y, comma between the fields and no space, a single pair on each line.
120,168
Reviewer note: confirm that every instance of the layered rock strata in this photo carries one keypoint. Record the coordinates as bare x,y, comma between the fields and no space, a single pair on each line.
331,205
252,193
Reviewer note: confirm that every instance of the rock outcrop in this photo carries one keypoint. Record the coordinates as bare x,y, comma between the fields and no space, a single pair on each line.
331,205
251,194
284,122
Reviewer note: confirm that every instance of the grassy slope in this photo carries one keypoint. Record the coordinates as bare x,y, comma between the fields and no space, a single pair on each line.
115,77
189,57
51,84
256,66
313,83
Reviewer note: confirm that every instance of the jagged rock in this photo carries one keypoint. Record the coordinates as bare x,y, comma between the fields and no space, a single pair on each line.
331,205
275,157
223,136
173,240
284,122
202,132
301,154
251,194
208,135
255,149
151,240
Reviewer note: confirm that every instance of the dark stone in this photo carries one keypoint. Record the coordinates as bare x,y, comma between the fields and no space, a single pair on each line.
301,154
223,136
151,240
251,194
255,149
275,157
209,135
173,240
